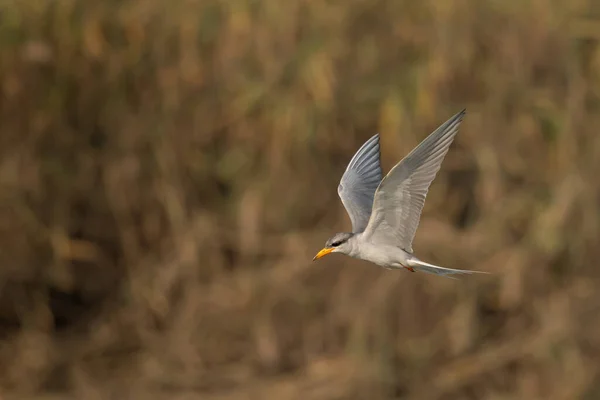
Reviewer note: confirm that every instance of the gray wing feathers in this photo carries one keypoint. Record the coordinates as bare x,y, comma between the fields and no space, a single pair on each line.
359,182
400,198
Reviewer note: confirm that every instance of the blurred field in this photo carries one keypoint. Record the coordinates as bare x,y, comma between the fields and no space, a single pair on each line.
168,171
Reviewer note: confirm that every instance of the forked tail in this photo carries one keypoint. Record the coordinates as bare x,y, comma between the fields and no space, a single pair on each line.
422,266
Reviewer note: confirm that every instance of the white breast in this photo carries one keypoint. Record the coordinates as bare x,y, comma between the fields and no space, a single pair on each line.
383,255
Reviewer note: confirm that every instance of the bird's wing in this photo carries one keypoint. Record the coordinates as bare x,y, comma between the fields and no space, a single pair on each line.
400,197
359,182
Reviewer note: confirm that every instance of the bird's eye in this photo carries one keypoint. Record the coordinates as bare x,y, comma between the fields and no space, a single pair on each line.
335,244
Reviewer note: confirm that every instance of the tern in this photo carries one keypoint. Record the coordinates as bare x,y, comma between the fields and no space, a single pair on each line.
385,212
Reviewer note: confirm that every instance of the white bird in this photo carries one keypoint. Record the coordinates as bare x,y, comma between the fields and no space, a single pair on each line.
385,212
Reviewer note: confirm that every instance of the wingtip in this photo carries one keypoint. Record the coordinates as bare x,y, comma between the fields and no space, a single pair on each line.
374,138
458,116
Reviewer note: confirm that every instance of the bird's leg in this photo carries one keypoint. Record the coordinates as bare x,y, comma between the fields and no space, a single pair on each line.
411,269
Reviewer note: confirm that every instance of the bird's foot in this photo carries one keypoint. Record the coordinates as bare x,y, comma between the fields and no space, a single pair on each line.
411,269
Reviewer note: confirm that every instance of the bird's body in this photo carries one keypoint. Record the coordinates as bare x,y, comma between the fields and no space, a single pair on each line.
387,256
385,212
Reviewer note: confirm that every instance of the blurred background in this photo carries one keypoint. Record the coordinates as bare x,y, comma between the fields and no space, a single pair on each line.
169,169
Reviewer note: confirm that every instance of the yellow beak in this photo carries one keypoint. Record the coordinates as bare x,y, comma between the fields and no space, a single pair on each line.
323,252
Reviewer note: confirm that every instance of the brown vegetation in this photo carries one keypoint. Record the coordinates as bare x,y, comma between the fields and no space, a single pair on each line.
169,169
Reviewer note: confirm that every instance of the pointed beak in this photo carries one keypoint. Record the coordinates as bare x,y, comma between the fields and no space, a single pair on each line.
323,253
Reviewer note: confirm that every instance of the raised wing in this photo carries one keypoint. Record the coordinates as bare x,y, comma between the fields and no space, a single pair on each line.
400,197
359,182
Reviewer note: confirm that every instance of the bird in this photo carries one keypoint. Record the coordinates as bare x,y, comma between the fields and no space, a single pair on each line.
385,211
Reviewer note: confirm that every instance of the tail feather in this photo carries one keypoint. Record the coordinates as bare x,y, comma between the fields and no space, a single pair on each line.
422,266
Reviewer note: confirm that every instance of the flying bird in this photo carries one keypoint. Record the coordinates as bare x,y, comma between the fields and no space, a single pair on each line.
385,212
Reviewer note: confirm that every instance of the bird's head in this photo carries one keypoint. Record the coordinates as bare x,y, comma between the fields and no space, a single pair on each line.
338,243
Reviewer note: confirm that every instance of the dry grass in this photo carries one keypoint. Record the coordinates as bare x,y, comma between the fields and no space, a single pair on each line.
168,170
